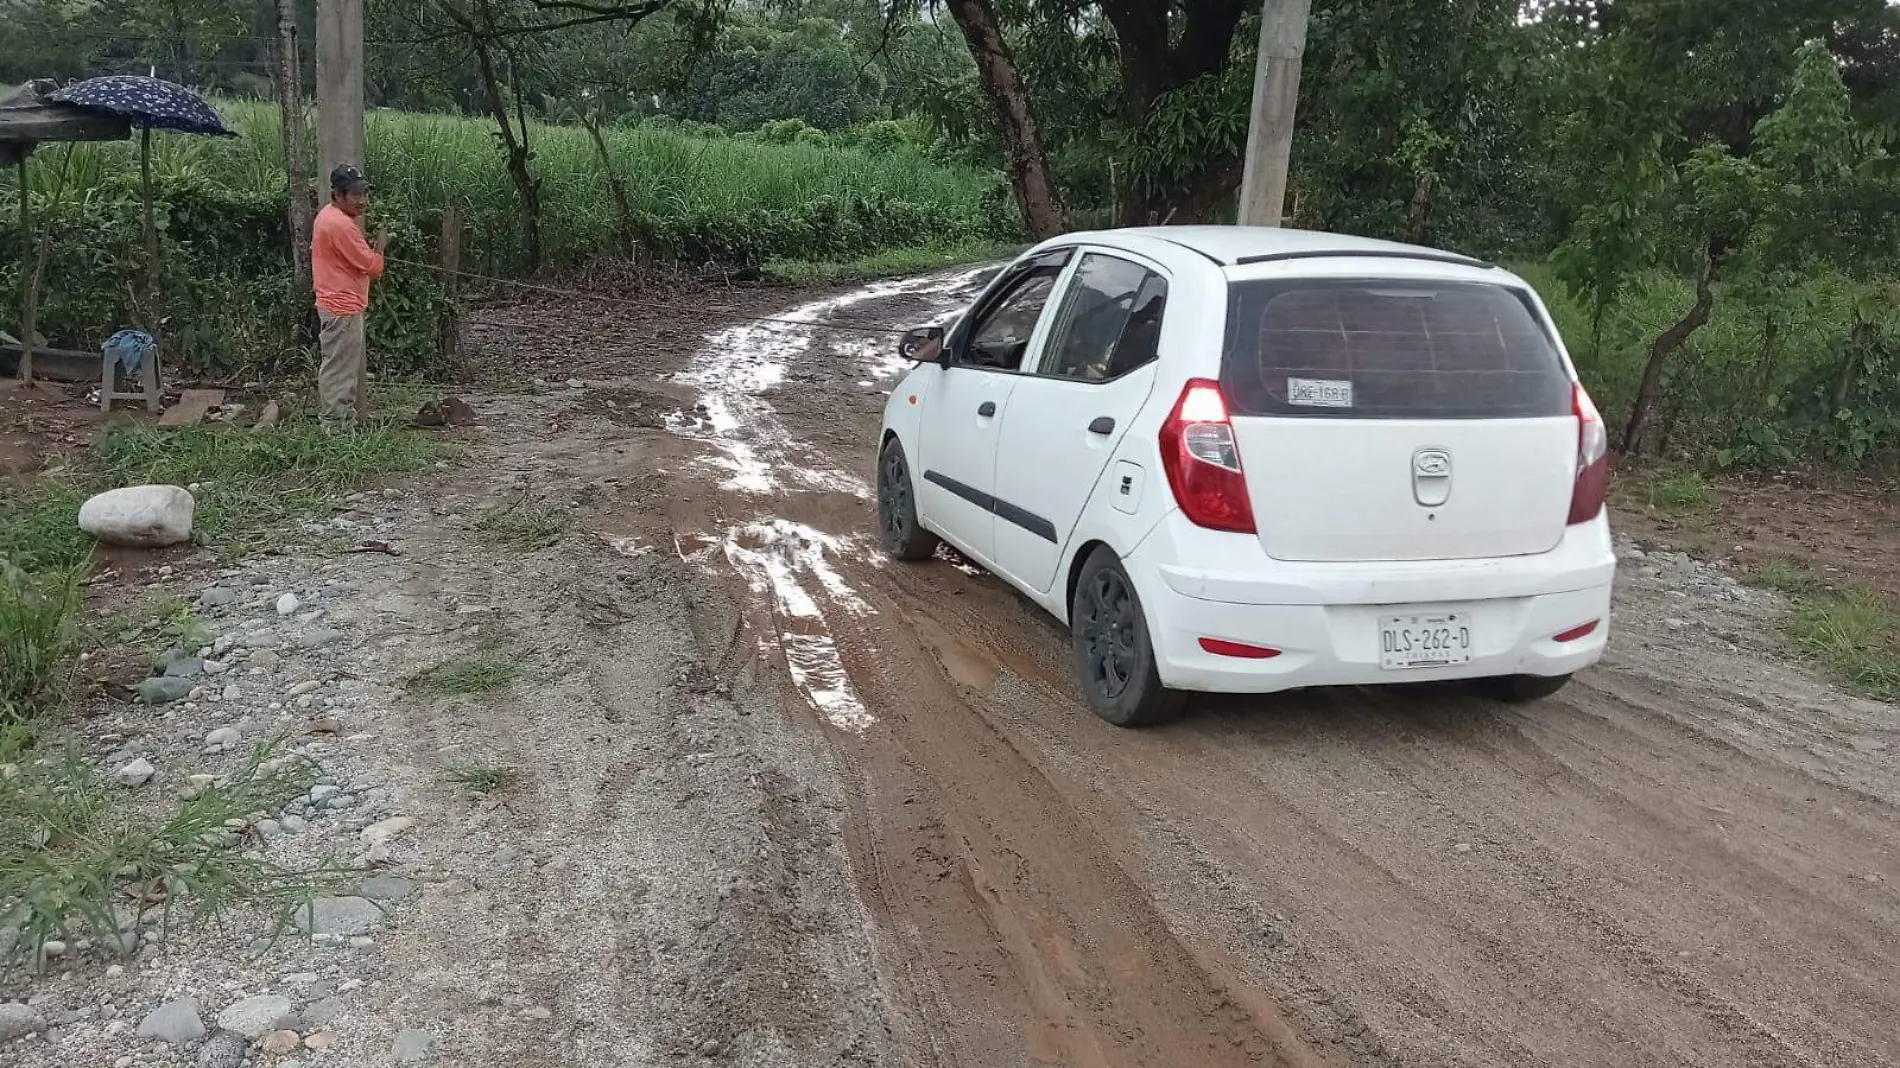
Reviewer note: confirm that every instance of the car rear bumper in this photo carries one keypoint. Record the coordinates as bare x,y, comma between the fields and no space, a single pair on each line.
1327,633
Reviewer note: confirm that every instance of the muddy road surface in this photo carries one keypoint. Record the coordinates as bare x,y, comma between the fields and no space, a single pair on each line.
1688,858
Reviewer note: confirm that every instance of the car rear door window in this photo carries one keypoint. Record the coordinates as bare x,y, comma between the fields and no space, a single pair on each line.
1110,323
1389,349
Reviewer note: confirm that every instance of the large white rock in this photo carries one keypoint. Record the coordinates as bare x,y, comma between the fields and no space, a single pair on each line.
143,517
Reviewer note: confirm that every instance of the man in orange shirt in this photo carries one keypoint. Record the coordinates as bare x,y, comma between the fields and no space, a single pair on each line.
342,263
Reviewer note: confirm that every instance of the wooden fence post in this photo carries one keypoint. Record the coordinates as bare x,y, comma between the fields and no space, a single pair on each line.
451,249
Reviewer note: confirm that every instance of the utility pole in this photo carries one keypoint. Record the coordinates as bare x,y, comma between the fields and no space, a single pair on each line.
296,178
339,84
1276,96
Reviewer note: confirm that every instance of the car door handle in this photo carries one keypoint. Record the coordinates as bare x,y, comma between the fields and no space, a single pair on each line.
986,409
1102,425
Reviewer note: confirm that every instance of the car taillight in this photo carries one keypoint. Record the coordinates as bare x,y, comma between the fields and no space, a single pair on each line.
1593,459
1203,462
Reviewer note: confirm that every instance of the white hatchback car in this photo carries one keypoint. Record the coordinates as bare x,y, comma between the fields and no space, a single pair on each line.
1244,460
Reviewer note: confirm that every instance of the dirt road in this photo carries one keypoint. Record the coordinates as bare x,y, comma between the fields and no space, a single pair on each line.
1689,858
776,802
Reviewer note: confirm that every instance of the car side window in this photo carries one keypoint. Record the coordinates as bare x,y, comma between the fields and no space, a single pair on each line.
1110,322
1000,339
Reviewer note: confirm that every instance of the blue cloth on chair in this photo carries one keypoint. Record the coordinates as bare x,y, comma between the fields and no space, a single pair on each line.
130,347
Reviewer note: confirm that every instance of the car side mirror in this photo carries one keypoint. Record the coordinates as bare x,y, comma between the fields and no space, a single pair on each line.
923,344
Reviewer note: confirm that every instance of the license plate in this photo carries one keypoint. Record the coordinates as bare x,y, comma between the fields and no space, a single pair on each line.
1319,393
1424,641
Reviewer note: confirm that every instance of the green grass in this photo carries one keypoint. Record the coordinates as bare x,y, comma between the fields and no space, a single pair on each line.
254,485
39,637
423,162
77,860
39,524
526,527
1850,630
893,263
75,857
1682,491
483,777
464,678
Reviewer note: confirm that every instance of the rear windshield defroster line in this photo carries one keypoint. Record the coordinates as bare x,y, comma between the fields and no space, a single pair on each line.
1375,348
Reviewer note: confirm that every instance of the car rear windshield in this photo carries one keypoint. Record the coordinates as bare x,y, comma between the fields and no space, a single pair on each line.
1389,349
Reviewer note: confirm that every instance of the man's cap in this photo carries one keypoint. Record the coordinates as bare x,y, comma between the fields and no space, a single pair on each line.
348,179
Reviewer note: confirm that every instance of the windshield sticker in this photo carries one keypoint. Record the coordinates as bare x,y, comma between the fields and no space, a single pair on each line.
1318,393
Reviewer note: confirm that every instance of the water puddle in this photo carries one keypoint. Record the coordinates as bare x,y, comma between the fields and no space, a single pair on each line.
625,545
738,365
791,563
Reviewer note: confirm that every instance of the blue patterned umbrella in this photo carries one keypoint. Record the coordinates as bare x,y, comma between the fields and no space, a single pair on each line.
148,103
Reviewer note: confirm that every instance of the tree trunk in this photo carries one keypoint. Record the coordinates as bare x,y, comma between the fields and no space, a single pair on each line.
527,190
1764,367
1418,222
296,181
1028,164
1668,342
1857,344
629,229
29,280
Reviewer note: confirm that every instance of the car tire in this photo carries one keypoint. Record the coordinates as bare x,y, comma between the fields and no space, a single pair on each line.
1113,656
1523,689
898,530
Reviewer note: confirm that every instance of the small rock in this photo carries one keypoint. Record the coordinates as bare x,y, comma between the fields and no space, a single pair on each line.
338,916
387,888
537,1012
115,971
254,1017
308,686
270,829
575,383
288,604
185,667
224,1050
163,690
216,667
318,637
362,943
295,825
217,597
280,1042
144,517
413,1046
18,1021
339,802
319,1013
225,736
176,1022
137,773
323,792
320,1040
1462,847
386,831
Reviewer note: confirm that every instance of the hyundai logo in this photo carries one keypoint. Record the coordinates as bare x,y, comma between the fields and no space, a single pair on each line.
1431,463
